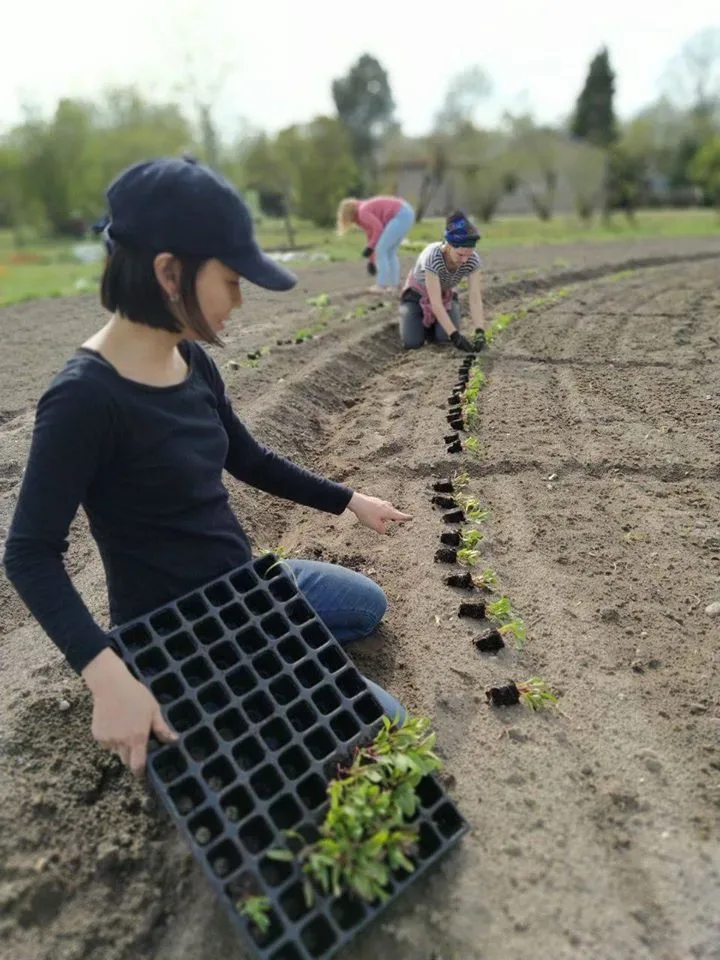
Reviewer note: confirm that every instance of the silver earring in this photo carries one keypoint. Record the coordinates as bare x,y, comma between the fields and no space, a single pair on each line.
174,298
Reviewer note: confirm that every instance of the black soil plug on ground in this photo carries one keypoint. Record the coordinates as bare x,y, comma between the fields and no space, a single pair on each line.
443,486
489,642
467,363
455,448
445,555
451,437
455,516
254,356
445,503
462,581
457,423
476,611
507,696
455,410
450,539
454,399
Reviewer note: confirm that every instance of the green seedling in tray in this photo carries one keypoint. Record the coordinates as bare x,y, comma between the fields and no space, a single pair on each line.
257,911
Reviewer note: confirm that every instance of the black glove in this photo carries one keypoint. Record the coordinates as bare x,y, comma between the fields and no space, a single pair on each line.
371,268
367,252
459,341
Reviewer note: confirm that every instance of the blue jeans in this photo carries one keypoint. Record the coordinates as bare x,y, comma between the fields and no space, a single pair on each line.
350,605
387,260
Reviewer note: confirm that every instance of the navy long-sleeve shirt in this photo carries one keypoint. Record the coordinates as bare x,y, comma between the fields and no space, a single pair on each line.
146,464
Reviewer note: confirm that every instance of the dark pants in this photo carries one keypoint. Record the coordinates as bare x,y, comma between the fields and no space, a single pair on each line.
412,331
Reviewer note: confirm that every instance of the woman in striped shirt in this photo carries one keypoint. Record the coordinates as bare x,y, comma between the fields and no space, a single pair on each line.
386,222
430,308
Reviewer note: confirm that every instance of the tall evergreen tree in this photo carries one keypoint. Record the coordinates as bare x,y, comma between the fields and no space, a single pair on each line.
594,118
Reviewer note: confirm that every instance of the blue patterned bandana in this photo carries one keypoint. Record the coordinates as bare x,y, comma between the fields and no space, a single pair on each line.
460,232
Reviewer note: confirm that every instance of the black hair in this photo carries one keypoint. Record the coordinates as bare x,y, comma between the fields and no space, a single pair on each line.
130,288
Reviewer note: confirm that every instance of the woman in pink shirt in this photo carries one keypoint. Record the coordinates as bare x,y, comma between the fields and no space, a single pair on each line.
386,221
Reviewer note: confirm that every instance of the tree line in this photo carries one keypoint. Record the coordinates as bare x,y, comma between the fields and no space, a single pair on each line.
53,170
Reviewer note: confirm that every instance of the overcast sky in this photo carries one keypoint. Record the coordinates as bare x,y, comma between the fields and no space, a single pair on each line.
285,53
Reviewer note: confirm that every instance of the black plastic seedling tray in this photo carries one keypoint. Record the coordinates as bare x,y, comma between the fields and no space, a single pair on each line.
265,703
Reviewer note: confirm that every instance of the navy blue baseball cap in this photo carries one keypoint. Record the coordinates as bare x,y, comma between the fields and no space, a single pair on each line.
181,207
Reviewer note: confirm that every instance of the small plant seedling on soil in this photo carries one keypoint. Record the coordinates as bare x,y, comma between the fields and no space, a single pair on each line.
474,611
533,693
468,557
474,510
257,910
472,445
281,553
486,578
461,479
445,555
445,503
443,486
450,539
321,300
366,834
500,610
517,628
471,538
455,516
491,642
460,582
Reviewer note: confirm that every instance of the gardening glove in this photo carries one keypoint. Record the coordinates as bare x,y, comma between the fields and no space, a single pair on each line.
461,342
367,252
371,268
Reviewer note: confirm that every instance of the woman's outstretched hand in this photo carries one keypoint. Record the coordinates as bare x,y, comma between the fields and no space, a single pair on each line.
375,513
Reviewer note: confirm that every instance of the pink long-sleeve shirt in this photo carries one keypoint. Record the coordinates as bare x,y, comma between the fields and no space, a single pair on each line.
373,216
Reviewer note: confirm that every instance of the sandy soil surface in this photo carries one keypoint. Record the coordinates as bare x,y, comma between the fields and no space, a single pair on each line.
596,833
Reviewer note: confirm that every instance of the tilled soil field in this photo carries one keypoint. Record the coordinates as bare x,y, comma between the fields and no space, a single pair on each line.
595,830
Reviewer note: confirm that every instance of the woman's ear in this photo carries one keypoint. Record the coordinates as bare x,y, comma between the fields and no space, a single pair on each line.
167,273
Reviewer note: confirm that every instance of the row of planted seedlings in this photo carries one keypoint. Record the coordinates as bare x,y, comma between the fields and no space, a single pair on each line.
462,545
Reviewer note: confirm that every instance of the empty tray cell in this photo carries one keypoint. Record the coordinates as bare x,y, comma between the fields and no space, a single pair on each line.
256,835
368,709
167,688
326,700
267,665
309,674
218,774
186,796
234,616
205,827
314,635
248,753
224,655
282,589
250,640
276,734
267,566
294,762
350,683
224,859
241,681
213,697
332,659
196,671
258,707
429,792
318,937
231,725
201,745
266,782
345,726
299,612
347,911
448,820
165,622
193,607
258,602
170,764
218,593
286,812
151,663
284,690
428,842
293,903
180,646
288,952
302,716
208,631
137,637
313,791
275,872
237,804
291,650
243,580
275,626
320,743
184,716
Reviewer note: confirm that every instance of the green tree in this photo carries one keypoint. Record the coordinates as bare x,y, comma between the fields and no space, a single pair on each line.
594,117
269,167
365,106
326,170
705,169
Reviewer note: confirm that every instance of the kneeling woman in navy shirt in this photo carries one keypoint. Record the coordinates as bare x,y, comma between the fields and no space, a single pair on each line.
137,428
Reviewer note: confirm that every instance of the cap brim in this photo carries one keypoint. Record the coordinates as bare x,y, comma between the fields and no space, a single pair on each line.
262,270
